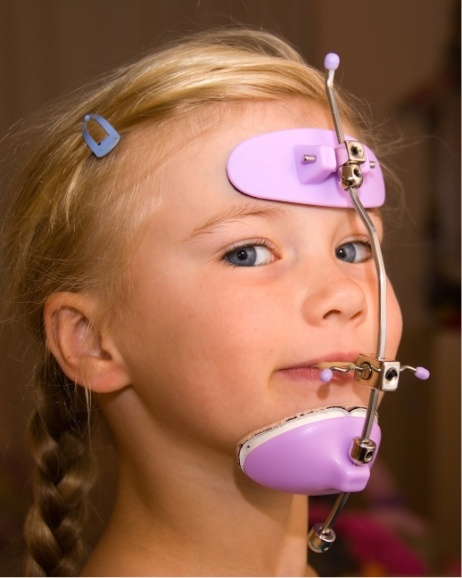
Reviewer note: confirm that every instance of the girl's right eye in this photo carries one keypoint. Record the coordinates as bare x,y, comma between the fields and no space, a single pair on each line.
251,255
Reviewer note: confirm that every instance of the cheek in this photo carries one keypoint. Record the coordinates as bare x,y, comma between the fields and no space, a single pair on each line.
190,326
200,353
394,323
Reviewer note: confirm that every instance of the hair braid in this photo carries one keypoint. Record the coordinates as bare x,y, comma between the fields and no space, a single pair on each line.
58,434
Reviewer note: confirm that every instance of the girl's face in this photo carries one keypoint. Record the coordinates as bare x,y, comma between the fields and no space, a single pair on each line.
234,299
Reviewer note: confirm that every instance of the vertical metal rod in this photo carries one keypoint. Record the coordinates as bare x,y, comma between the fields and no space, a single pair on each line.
336,510
332,62
375,246
333,105
382,305
380,268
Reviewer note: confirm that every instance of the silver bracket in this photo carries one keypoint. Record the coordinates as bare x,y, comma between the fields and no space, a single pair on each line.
376,373
350,173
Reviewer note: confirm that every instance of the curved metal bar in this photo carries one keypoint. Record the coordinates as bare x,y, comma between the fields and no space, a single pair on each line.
381,273
382,304
322,536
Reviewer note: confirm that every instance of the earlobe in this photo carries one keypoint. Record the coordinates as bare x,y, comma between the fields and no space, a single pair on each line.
81,344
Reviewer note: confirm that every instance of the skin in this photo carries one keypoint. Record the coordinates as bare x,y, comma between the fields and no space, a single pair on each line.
209,352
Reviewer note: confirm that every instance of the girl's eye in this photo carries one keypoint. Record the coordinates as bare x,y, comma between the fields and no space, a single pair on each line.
354,252
249,256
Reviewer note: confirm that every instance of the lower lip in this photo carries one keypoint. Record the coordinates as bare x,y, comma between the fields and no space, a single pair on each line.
302,373
312,374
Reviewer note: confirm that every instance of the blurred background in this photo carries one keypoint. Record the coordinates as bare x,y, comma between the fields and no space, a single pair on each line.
403,58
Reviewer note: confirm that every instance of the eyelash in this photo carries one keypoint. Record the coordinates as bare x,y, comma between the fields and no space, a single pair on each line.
363,241
360,241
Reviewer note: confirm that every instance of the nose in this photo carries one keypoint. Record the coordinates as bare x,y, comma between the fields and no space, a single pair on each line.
336,297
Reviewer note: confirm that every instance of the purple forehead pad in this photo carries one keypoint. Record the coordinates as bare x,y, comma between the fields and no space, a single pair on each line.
300,166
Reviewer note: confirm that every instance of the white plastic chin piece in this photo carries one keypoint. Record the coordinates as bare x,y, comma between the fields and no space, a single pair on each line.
309,454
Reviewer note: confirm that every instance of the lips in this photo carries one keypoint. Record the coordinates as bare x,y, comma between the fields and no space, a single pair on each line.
302,373
313,374
307,371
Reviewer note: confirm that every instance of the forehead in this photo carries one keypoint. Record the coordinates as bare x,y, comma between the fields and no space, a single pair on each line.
239,120
182,165
179,168
192,192
204,140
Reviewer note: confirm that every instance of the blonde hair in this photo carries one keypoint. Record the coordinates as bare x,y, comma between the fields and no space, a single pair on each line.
71,222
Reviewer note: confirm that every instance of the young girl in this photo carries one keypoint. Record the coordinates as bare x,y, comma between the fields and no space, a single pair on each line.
182,312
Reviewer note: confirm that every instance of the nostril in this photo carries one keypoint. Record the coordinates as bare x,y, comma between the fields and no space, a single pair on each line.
332,314
345,313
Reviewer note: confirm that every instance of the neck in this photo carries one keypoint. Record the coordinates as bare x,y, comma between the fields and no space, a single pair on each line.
184,508
196,523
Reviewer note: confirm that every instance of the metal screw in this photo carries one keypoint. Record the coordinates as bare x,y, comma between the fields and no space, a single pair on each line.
391,374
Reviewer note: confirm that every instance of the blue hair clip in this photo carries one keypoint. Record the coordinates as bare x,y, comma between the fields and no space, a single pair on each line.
102,148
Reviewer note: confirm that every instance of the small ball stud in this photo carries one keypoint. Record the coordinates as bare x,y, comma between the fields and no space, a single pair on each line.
331,61
326,375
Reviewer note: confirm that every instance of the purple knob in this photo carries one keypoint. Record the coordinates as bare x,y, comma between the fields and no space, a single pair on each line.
422,373
331,61
326,375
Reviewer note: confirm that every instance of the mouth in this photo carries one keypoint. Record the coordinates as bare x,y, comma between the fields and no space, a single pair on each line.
311,370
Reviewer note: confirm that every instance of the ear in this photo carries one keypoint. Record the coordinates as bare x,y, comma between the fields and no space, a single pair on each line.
81,344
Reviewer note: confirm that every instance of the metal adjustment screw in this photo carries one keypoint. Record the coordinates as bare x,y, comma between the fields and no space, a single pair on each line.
390,371
391,374
363,451
355,151
366,371
320,540
351,176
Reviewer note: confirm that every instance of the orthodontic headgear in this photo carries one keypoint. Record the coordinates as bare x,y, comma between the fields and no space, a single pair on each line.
331,450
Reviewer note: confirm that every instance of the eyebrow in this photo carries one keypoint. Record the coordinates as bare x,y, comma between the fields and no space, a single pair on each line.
237,212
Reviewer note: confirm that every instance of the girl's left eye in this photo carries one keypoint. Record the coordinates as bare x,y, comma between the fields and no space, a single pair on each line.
354,252
251,255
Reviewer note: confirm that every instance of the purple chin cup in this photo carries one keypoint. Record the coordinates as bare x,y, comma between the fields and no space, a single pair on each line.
301,166
309,454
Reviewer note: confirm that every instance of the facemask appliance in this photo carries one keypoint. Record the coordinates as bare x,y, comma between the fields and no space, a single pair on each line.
327,451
